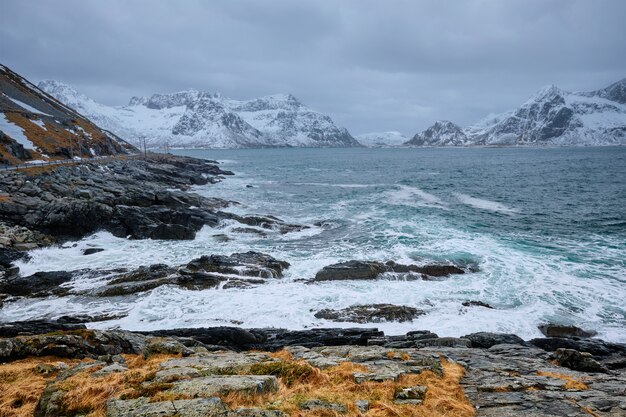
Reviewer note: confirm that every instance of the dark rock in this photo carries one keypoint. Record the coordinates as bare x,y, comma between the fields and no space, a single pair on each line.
229,337
272,339
85,318
140,280
453,342
594,346
557,330
486,340
250,231
264,222
428,270
39,284
252,264
34,327
351,270
71,344
578,361
371,313
368,270
475,304
8,256
90,251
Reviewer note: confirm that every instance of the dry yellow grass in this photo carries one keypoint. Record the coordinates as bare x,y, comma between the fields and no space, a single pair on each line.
444,398
85,394
571,383
21,386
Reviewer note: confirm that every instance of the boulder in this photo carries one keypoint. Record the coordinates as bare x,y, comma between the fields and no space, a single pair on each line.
210,386
368,270
8,256
91,251
475,304
370,313
252,264
558,330
486,340
350,270
578,361
34,327
594,346
410,395
165,345
40,284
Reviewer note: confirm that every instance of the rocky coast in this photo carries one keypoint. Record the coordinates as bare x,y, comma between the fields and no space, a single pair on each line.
61,367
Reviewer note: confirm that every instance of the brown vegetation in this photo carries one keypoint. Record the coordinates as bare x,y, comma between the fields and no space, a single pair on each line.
571,383
445,396
21,385
85,394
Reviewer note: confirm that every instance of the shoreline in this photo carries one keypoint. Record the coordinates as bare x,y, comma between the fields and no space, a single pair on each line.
496,374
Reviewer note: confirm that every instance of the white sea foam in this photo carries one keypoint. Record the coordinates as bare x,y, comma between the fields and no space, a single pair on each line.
526,283
483,204
325,184
405,195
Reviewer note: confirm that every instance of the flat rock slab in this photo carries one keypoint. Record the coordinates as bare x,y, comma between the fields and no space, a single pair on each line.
211,385
140,407
256,412
218,362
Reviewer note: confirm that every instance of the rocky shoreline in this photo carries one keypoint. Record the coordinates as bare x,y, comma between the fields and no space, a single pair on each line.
567,372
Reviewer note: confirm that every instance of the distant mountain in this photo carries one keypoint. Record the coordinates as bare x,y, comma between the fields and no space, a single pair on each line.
551,117
442,133
205,120
36,127
381,139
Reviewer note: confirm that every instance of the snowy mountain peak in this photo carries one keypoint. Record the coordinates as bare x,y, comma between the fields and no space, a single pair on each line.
552,116
546,93
167,101
614,92
63,92
441,133
193,118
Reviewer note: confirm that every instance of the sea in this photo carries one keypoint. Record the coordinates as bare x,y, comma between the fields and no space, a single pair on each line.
545,228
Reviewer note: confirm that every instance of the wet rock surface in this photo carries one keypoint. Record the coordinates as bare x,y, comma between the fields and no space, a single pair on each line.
371,313
139,199
557,330
370,270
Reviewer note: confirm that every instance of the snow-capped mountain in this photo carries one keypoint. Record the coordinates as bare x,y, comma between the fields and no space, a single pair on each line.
381,139
199,119
551,117
442,133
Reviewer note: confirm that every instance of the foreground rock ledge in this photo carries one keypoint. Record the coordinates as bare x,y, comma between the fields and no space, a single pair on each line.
195,374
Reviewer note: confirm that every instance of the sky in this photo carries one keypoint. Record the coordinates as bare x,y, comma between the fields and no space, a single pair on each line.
371,65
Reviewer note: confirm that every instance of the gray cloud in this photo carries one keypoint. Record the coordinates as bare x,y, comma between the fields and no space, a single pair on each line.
372,65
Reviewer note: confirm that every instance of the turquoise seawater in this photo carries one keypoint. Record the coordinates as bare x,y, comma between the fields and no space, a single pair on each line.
546,228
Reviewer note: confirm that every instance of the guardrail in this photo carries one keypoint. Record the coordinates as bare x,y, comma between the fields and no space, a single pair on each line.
67,161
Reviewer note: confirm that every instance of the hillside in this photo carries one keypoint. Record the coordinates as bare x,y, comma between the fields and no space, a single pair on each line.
36,127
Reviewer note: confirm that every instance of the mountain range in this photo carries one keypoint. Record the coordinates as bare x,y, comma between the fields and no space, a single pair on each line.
551,117
197,119
35,127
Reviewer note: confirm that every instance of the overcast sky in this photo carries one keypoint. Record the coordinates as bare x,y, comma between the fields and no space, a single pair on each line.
371,65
